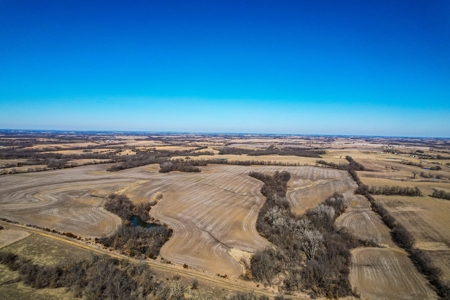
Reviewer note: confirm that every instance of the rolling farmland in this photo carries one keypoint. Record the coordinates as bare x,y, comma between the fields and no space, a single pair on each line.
213,213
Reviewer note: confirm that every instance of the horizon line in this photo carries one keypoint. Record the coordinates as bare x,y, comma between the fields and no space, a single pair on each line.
218,133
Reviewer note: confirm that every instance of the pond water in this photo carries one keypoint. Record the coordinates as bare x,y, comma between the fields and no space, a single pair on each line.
136,221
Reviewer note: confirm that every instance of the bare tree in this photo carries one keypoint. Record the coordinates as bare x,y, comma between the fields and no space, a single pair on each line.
324,210
311,241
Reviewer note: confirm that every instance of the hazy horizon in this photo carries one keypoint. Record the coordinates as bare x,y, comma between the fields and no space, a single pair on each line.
372,68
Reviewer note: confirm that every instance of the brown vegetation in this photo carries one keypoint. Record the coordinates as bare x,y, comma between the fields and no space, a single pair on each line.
326,249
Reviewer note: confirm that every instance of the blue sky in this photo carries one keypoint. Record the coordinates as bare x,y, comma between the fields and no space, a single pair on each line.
312,67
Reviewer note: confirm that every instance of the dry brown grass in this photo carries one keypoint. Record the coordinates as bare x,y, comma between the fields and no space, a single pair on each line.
9,236
46,251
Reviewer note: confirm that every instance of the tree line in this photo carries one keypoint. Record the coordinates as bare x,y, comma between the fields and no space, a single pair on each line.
352,164
97,278
390,190
286,151
102,277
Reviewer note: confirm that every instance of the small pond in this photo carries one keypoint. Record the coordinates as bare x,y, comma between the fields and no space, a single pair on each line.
136,221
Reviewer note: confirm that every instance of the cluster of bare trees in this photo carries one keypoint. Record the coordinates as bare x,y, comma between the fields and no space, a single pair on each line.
125,209
135,241
310,253
182,165
272,150
403,238
441,194
120,205
138,241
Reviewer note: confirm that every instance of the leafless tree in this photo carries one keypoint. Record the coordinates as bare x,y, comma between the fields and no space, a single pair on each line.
311,241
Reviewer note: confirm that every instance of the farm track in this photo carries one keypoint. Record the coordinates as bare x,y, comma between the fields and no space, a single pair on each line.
233,285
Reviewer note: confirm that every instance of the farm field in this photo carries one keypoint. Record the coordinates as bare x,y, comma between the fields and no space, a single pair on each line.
387,274
384,272
425,217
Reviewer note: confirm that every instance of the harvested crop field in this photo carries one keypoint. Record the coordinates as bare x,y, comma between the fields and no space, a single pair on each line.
387,274
428,220
362,222
310,185
64,200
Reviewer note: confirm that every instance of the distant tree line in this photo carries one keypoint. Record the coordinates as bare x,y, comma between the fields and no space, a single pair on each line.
441,194
310,253
390,190
286,151
429,156
352,165
182,165
431,176
404,239
411,163
332,165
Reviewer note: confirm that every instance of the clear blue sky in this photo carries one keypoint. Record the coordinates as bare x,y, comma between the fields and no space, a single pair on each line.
314,67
